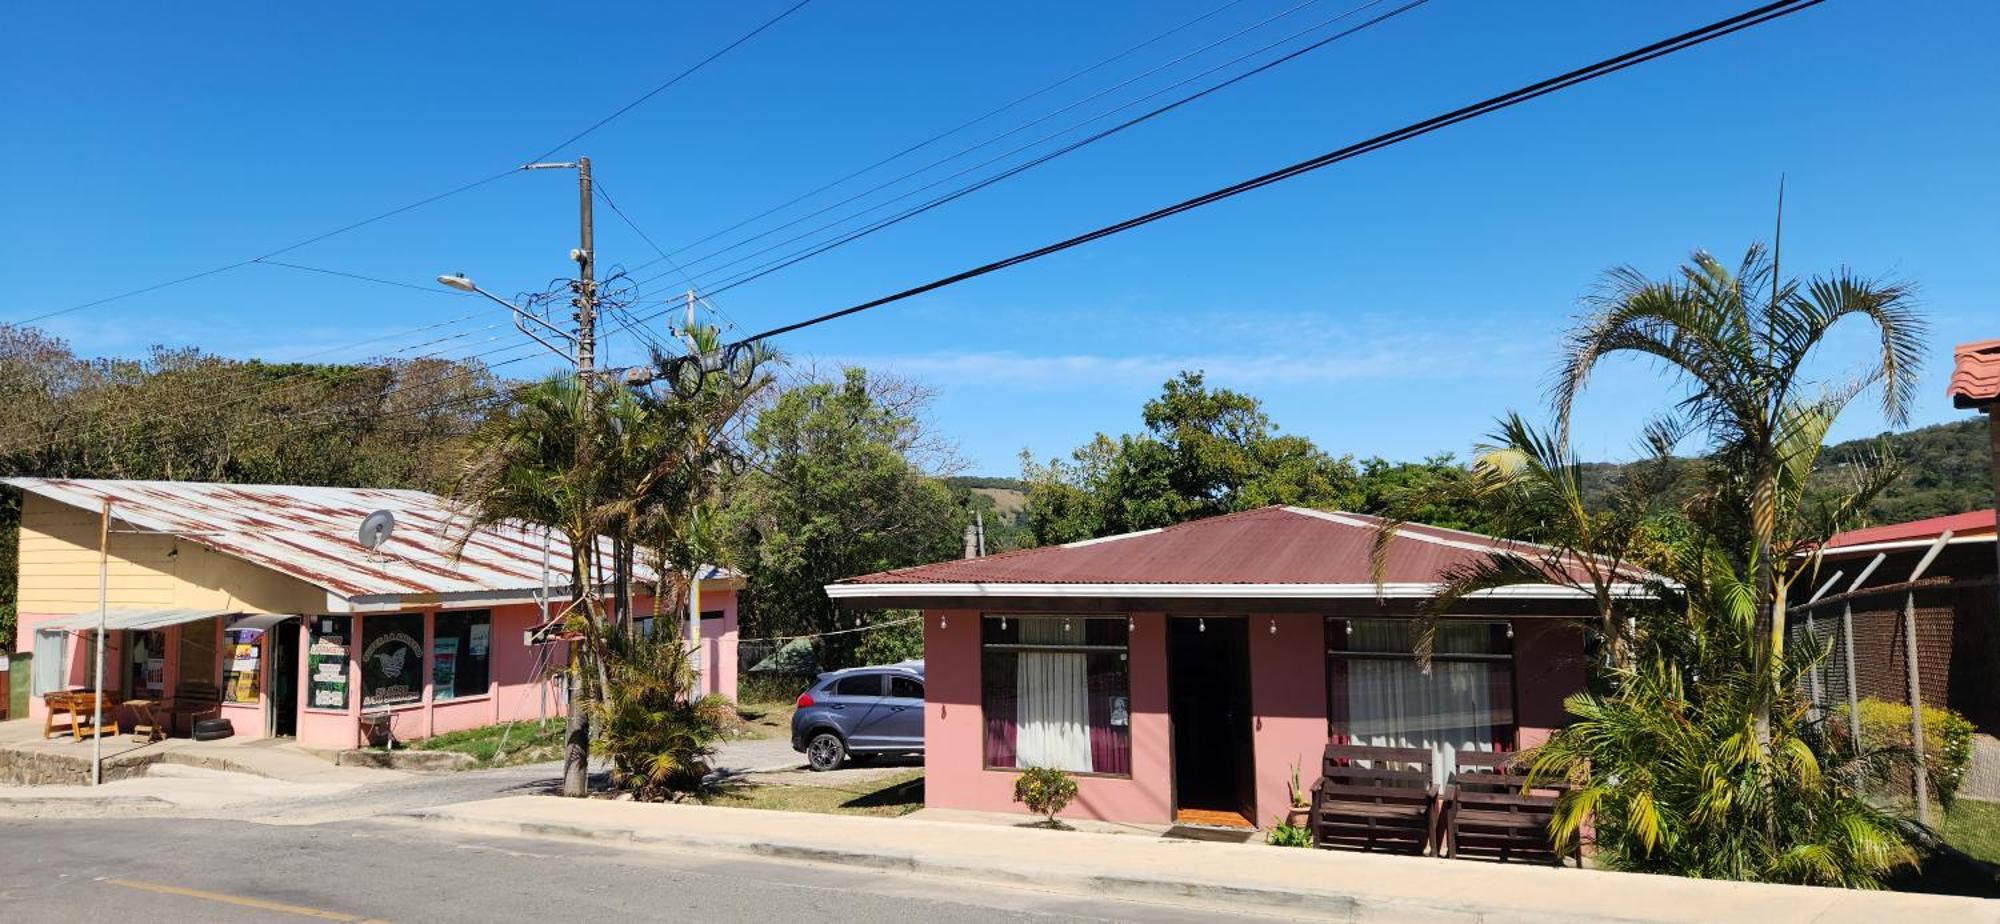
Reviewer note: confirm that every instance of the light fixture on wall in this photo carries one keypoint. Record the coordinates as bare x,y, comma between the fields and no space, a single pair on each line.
1003,623
1131,624
1200,624
1274,627
944,622
1065,625
1350,626
1510,630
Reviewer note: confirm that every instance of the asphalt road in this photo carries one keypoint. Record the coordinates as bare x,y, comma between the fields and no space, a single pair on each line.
185,869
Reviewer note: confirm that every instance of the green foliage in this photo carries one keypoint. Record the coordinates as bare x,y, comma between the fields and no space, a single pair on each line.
1947,742
902,641
1284,835
1699,759
832,488
1046,791
1947,470
1670,772
1205,452
659,736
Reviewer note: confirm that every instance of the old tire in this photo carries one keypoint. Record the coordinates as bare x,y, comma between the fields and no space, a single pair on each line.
211,729
825,751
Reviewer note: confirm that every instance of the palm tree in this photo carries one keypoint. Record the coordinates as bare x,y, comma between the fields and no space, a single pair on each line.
1739,339
1530,484
525,466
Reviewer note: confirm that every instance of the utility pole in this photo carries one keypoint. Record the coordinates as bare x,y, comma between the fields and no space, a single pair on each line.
103,612
576,728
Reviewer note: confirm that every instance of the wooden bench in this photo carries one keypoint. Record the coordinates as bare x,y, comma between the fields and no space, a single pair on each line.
1375,798
194,700
1488,813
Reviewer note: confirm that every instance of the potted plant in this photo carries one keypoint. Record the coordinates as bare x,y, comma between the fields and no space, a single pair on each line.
1300,814
1045,791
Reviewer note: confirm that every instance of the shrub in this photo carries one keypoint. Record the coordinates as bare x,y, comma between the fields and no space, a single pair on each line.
1045,791
1284,835
1947,742
658,736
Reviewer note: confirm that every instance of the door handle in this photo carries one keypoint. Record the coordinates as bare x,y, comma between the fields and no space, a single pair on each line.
837,706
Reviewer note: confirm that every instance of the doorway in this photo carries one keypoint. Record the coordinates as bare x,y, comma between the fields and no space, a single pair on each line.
283,641
1208,703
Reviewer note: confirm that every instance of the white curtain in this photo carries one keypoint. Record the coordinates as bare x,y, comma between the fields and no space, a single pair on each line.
51,661
1053,707
1391,703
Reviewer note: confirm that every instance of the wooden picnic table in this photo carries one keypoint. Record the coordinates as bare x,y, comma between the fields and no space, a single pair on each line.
78,704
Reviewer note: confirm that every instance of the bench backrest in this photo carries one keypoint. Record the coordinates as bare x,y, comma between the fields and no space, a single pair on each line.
196,696
1495,778
1354,772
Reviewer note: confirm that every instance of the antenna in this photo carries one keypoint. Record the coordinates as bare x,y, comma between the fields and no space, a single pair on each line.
375,529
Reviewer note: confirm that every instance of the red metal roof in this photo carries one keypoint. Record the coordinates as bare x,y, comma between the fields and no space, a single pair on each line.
1975,374
1972,523
1271,545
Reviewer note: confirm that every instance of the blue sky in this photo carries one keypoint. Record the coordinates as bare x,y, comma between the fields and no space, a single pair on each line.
1392,305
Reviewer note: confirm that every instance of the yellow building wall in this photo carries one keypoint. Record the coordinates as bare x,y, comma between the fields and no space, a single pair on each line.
59,569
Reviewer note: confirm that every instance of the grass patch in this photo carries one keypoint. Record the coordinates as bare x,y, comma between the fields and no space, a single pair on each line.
883,798
763,720
1973,827
526,743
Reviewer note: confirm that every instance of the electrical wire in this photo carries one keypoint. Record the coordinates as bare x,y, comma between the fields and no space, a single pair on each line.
1013,131
1692,38
840,240
427,200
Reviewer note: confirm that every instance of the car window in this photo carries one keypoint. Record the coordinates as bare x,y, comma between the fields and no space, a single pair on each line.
905,688
858,685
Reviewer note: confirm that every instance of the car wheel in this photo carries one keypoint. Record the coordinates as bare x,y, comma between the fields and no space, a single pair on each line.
825,751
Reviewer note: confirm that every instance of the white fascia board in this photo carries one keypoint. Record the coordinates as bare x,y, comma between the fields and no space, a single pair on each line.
1895,544
1207,591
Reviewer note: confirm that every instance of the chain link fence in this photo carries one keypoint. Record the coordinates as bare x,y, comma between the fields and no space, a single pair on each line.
1909,680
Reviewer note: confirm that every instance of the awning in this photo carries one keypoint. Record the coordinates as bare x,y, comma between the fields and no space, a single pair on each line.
127,618
260,621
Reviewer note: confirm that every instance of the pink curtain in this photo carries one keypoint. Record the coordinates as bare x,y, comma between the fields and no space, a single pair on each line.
1110,745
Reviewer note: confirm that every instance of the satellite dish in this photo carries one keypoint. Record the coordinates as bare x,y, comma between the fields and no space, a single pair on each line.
376,528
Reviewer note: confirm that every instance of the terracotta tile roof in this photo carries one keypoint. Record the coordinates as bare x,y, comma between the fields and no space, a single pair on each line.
1975,374
1267,546
1970,524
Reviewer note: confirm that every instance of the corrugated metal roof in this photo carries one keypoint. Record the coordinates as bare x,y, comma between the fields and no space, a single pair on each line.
310,533
1268,546
1975,374
1969,525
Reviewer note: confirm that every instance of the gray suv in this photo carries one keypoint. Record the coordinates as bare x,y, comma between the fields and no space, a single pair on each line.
861,711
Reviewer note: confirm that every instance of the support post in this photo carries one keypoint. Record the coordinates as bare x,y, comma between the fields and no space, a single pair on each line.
103,612
1922,779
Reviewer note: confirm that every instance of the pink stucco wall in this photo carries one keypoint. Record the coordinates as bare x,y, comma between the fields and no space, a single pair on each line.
1549,665
1288,702
718,643
954,757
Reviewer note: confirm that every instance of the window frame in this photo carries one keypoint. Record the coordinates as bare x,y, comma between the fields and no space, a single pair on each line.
465,619
1124,651
1336,637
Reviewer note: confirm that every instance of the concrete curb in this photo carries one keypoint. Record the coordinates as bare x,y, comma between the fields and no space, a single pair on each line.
1458,898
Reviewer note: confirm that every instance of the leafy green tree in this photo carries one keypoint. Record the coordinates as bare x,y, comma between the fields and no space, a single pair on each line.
829,490
1205,452
1739,340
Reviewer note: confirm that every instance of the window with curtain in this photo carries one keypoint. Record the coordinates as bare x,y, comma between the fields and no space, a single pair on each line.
1056,693
1378,696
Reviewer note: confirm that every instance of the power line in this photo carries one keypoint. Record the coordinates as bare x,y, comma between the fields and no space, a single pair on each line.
427,200
677,78
1011,132
1606,67
940,136
843,239
602,193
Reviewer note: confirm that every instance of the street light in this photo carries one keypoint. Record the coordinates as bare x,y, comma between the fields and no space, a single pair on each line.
461,283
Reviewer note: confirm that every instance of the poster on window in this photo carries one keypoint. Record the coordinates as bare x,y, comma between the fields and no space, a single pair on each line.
392,660
239,678
476,636
326,672
444,669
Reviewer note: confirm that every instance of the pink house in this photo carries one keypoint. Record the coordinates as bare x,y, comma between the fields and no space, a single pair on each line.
262,596
1181,673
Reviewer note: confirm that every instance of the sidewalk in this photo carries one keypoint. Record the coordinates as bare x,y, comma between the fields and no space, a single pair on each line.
27,759
1300,883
